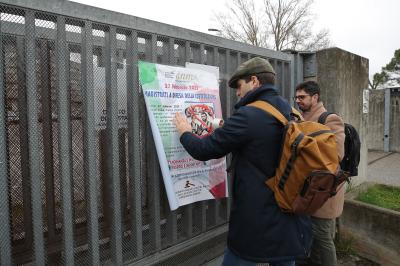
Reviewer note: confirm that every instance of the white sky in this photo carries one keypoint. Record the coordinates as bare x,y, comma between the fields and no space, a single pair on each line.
369,28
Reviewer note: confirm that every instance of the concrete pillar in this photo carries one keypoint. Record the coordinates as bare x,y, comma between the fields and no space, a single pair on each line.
343,77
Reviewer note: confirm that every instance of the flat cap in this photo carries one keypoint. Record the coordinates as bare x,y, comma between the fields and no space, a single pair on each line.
253,66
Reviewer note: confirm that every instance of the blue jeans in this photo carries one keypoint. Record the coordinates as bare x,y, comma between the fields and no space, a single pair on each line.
231,259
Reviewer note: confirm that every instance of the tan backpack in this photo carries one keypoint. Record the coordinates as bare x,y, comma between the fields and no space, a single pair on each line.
308,172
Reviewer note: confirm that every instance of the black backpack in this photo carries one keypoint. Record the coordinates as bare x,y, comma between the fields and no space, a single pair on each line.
352,146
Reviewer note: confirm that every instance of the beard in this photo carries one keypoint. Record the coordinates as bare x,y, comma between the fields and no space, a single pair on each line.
304,108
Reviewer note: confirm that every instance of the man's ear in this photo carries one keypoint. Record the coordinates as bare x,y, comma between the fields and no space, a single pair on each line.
255,81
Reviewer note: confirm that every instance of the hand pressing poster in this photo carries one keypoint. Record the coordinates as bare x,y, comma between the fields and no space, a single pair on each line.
195,93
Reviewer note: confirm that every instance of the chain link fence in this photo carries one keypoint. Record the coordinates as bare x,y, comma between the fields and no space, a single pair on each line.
80,179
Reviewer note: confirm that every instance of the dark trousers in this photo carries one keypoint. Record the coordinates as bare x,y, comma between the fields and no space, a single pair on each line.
323,251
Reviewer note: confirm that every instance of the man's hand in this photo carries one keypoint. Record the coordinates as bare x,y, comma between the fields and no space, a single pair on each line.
181,124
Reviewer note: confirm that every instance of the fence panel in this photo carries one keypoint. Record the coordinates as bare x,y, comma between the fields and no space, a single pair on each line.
81,182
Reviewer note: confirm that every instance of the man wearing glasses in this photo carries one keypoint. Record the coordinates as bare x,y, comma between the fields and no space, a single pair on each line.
323,250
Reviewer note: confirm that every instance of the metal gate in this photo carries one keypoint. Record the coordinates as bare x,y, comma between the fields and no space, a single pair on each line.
74,193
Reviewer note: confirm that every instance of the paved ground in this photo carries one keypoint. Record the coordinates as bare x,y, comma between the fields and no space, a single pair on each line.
384,168
214,262
348,260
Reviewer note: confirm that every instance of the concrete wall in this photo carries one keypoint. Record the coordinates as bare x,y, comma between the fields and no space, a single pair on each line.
374,231
376,121
342,77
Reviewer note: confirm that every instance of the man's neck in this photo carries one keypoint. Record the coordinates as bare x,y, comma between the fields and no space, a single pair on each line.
313,108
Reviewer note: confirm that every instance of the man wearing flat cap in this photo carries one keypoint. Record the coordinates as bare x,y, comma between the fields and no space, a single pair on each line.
259,231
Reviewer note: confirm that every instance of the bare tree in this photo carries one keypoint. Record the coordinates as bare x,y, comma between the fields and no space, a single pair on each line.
278,24
242,22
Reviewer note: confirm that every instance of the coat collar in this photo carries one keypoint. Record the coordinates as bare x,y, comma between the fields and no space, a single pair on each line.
256,94
315,112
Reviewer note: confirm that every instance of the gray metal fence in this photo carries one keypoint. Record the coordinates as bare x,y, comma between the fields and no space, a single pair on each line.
74,193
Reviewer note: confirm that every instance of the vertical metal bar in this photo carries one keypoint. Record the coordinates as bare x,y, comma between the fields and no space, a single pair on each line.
172,227
188,209
228,75
283,78
293,77
90,161
196,57
154,175
228,64
104,169
122,173
35,176
280,75
122,132
228,106
386,132
64,140
231,103
171,51
5,236
48,141
135,168
212,205
217,203
112,149
288,80
203,203
273,64
24,143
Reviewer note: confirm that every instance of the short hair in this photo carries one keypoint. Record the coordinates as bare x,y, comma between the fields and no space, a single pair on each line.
263,78
311,87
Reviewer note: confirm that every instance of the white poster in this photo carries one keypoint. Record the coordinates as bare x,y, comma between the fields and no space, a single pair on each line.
195,93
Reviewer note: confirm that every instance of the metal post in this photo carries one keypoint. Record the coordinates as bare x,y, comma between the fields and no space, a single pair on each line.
112,153
5,243
293,77
188,209
32,114
386,132
24,142
45,70
228,114
134,148
172,228
64,139
154,175
217,203
90,161
203,204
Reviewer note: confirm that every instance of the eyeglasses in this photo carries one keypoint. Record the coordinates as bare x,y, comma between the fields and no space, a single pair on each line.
301,97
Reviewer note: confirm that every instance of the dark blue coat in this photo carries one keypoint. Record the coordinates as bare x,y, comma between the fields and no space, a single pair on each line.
258,230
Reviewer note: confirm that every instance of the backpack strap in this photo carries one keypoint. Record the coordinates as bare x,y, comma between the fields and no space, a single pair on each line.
323,116
267,107
296,115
